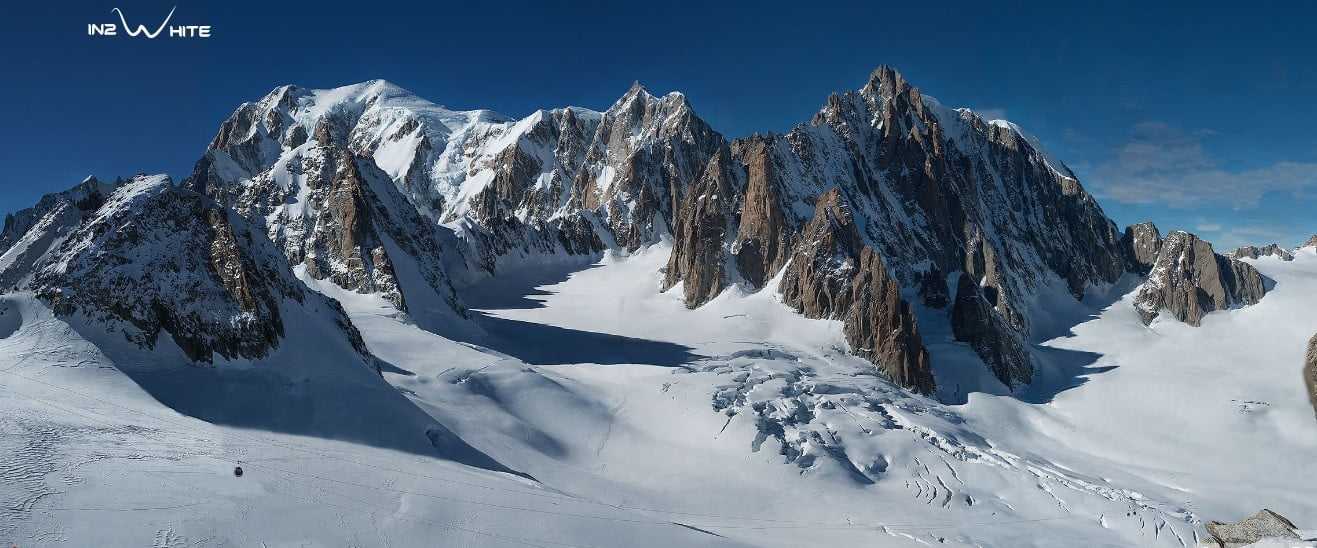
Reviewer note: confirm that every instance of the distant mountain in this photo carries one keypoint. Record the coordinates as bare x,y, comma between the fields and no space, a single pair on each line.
1255,252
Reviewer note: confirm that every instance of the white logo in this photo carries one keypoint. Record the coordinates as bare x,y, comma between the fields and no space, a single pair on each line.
175,31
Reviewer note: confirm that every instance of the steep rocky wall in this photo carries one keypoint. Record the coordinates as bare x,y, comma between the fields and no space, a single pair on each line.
1310,371
1189,280
168,260
833,274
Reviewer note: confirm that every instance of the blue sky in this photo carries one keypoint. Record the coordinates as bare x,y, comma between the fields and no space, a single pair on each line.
1197,115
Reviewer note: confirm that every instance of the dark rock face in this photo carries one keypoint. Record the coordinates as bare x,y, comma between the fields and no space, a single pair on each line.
881,327
1140,245
832,274
1255,252
763,239
973,321
168,260
932,191
702,228
345,245
338,215
1310,371
652,149
1189,279
818,279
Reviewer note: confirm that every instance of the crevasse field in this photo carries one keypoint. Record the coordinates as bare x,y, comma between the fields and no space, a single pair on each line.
642,423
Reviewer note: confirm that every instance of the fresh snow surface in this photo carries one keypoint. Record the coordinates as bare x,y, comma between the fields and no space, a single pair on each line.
647,424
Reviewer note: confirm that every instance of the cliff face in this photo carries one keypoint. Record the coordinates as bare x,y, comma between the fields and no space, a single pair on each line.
1140,245
167,261
329,209
1189,280
702,228
833,274
934,192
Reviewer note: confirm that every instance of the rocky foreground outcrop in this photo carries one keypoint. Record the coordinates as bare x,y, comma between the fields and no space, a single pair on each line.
1264,525
1310,372
1255,252
162,260
30,233
1189,280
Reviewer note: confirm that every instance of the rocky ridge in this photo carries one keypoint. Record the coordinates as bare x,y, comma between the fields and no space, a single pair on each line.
1189,280
331,210
153,259
966,219
1255,252
833,274
29,234
935,192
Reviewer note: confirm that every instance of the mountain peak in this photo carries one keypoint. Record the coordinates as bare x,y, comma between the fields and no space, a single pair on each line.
636,91
885,81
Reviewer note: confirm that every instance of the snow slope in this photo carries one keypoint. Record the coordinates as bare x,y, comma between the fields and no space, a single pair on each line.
90,458
783,443
648,424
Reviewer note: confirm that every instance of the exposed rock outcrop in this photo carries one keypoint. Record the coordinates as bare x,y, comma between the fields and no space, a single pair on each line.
1264,525
337,214
832,274
1310,372
1310,242
763,238
881,326
30,233
702,225
1140,245
1255,252
1189,280
934,192
166,260
973,321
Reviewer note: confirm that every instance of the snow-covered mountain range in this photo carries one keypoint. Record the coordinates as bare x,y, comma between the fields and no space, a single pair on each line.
879,295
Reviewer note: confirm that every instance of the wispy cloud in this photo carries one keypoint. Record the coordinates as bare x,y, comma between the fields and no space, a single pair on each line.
1162,164
992,113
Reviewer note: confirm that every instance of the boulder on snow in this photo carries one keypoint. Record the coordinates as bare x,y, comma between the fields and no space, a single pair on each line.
1260,526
